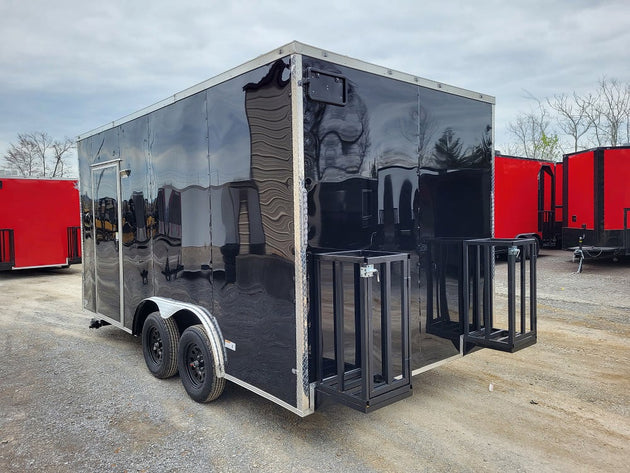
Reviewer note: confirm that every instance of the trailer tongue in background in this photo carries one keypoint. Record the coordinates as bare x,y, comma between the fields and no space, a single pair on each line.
307,225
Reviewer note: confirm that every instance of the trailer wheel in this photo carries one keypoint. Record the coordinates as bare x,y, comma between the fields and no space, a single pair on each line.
196,366
536,249
160,338
526,252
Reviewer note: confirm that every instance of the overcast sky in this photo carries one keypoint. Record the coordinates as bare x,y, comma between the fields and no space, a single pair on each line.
69,66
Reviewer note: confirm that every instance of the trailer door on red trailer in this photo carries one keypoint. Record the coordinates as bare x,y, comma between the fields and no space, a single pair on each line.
616,188
546,211
581,191
524,198
558,172
516,196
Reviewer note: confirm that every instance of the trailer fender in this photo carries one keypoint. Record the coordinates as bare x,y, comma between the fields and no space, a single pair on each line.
170,308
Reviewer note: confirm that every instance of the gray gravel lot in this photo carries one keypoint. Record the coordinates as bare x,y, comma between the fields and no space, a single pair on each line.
74,399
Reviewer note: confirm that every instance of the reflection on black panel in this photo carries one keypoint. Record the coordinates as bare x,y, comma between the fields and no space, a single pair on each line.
105,223
251,168
396,168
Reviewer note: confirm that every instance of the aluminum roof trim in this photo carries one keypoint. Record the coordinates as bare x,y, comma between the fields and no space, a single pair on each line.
294,47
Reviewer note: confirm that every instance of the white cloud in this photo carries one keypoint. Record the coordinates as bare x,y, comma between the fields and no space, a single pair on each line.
70,66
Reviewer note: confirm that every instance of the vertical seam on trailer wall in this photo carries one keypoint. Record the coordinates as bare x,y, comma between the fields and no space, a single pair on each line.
492,210
81,223
152,198
565,191
93,209
121,280
598,196
300,216
492,176
207,117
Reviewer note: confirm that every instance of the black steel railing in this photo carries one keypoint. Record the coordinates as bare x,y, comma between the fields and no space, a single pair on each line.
362,327
480,322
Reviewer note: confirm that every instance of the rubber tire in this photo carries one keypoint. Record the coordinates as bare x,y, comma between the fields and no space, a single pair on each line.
536,249
196,365
160,342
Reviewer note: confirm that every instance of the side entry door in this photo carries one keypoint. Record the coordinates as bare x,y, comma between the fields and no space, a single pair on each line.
107,243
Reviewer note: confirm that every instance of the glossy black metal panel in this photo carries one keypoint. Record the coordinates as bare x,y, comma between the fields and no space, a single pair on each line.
395,168
97,149
106,226
207,216
138,221
99,196
251,162
180,235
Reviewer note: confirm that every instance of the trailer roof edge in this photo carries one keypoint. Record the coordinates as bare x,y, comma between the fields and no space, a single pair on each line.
597,148
294,47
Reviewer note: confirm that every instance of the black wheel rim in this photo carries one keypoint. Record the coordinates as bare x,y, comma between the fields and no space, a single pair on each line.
155,344
195,364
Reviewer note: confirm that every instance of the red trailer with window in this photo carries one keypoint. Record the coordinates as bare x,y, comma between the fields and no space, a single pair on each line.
39,223
597,202
527,199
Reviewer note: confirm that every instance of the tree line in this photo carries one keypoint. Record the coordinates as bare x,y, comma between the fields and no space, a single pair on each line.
572,122
37,154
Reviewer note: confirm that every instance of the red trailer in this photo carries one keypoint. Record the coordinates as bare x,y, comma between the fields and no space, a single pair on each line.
39,223
527,199
596,212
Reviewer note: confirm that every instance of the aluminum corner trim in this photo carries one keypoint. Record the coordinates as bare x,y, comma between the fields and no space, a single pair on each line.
304,399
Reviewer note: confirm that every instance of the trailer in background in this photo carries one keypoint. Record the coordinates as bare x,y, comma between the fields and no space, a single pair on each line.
39,223
527,200
596,212
306,225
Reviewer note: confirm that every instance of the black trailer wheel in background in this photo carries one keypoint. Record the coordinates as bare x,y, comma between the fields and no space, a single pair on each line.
527,250
160,338
196,366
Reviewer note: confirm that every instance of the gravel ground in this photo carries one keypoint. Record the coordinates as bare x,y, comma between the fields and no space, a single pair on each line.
74,399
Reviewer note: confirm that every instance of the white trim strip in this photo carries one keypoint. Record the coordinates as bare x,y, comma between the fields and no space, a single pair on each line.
434,365
54,265
268,396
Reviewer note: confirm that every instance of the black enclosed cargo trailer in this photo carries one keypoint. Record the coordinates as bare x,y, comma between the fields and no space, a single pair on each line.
306,225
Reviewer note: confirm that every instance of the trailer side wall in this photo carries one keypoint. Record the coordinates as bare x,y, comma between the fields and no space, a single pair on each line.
39,211
206,217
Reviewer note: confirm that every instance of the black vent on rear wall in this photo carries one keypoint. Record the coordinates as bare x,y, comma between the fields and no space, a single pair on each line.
326,87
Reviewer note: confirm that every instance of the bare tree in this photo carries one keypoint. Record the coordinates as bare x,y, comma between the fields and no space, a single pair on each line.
597,118
573,117
38,155
535,138
613,106
608,113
